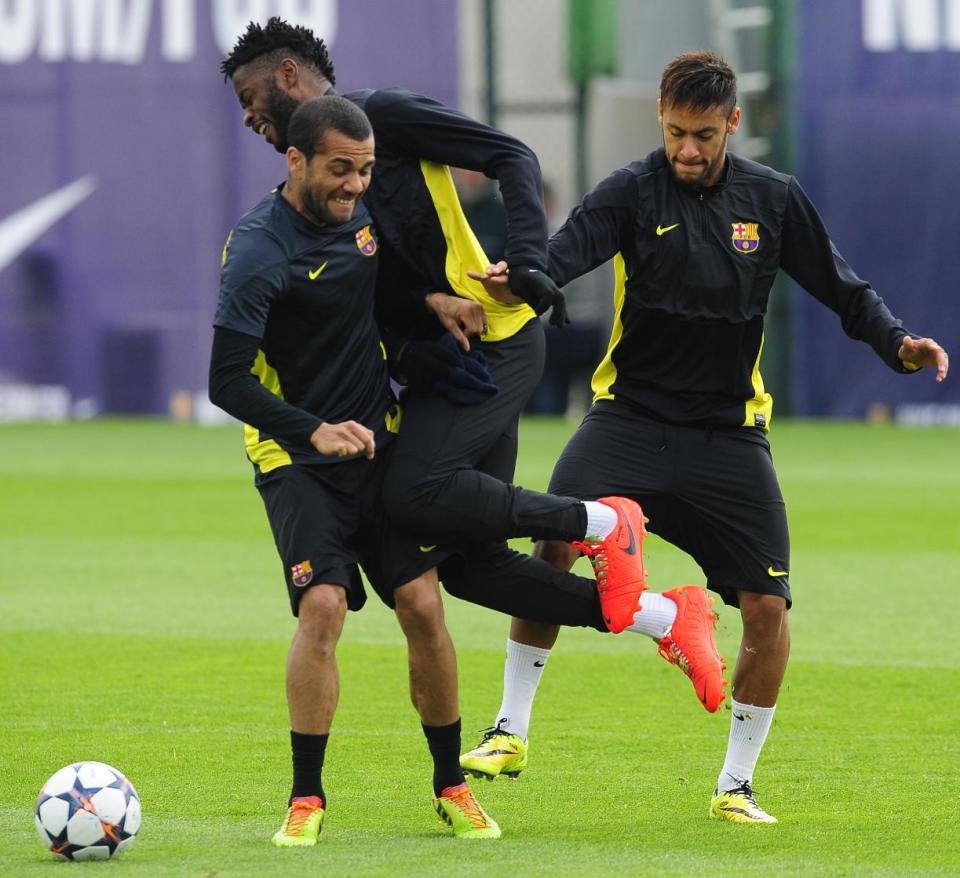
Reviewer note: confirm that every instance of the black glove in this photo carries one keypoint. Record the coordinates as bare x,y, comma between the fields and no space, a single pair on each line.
469,383
421,365
540,292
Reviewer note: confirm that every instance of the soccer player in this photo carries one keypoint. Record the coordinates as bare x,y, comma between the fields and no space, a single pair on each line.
298,358
680,413
450,480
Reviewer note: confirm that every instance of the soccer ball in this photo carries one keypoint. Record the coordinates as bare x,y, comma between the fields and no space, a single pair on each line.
88,811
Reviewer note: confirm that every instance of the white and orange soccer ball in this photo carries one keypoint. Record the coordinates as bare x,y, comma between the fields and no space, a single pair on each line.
88,811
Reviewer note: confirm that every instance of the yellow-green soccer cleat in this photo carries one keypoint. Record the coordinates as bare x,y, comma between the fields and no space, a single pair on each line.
738,805
458,808
499,752
301,828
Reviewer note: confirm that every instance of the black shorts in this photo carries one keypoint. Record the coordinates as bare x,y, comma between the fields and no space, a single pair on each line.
327,519
711,492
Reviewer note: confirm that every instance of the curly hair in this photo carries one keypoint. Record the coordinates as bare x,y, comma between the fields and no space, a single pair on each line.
257,42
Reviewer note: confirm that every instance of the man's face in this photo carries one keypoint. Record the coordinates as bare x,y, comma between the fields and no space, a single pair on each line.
696,141
266,103
331,183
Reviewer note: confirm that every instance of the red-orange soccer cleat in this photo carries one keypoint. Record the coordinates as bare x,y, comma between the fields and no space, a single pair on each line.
692,645
618,564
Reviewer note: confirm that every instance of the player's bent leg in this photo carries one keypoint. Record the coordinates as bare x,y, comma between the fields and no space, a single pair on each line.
691,644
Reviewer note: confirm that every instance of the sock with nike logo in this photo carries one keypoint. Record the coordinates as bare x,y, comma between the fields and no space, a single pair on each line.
521,676
748,730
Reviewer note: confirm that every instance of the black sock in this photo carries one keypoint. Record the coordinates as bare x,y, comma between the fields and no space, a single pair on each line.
444,744
308,753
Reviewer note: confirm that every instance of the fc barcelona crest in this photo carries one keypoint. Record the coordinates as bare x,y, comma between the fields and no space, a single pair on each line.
302,574
745,237
366,242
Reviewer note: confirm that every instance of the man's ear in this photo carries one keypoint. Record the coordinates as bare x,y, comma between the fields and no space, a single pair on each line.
733,123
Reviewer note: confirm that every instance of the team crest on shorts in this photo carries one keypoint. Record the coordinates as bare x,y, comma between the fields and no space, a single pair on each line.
302,574
366,242
745,237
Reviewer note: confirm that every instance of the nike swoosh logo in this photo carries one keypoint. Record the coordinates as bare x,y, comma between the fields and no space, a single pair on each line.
423,549
632,546
662,230
27,225
539,664
313,275
772,572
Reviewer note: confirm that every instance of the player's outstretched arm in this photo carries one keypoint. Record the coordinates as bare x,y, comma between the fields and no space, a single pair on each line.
344,439
924,353
525,284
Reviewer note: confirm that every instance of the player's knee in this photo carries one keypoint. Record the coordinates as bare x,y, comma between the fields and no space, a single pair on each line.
557,554
764,615
322,611
419,606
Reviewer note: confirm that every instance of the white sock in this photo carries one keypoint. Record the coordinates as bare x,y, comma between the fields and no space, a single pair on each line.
521,676
601,520
655,615
748,730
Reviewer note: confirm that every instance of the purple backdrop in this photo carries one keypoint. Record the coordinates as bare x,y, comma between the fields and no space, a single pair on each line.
119,114
877,123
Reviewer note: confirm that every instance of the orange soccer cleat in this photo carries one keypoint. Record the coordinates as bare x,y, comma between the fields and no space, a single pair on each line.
618,563
692,645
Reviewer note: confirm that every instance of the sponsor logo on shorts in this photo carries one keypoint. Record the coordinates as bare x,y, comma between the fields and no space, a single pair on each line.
302,574
772,572
426,549
366,242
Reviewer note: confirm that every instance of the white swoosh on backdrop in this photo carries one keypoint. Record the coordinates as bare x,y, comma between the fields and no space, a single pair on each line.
19,230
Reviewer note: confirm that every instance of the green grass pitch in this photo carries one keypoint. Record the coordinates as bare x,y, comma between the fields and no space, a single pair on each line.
143,623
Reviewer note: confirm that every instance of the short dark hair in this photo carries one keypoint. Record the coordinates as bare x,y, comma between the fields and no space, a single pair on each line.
313,119
279,37
699,80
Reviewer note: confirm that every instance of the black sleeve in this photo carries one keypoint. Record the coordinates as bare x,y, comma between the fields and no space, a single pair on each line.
423,128
810,258
596,228
235,389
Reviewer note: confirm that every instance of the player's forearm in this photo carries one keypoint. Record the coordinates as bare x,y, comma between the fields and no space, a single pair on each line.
234,388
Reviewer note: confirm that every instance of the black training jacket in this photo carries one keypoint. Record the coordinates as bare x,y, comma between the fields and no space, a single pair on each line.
694,268
426,244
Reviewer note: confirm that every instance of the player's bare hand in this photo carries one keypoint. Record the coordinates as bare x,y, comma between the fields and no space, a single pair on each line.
496,281
343,440
925,353
460,317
